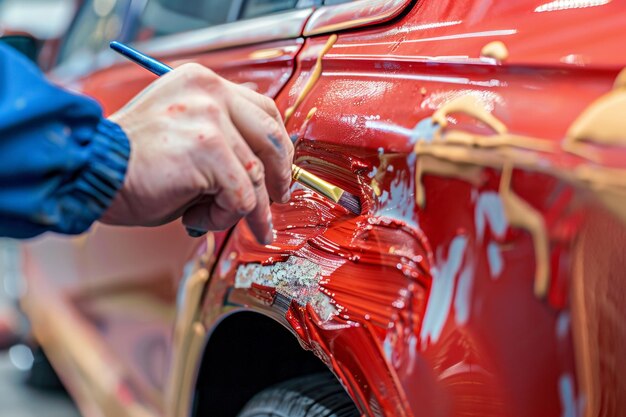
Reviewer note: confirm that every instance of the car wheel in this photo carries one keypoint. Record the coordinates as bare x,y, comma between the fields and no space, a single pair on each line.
317,395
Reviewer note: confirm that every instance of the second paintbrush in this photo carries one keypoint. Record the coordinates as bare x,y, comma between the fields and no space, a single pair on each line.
336,194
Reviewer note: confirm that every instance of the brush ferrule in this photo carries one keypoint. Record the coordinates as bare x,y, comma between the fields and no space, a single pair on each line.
316,183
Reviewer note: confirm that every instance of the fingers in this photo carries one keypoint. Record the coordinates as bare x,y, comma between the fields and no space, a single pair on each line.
259,219
233,188
268,106
266,136
202,217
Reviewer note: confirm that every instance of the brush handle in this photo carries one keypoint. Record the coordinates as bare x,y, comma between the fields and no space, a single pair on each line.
149,63
316,183
155,67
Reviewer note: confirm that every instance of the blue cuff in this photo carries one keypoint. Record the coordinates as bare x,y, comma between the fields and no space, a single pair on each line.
90,194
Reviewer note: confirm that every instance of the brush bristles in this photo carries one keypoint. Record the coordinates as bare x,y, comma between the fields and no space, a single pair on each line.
350,202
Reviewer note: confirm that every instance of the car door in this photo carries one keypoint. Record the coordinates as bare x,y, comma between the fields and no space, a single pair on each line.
116,287
455,125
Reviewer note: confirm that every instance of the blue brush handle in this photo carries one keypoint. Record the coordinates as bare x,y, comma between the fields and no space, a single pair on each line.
145,61
157,68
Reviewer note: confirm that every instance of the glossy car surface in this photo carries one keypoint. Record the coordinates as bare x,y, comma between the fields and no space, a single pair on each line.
484,275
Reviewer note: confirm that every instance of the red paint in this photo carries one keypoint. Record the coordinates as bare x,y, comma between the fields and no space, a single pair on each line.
176,108
435,310
249,165
511,353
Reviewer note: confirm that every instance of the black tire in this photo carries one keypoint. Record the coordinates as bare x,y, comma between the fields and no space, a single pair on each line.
318,395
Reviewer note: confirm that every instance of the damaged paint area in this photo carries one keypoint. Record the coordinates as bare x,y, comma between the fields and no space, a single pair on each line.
296,278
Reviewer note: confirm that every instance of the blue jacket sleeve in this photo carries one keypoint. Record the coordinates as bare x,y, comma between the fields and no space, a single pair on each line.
61,162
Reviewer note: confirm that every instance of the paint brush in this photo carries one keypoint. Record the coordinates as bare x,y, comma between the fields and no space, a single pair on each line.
336,194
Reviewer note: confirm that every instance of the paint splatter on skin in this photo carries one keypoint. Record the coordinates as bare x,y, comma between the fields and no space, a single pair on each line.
275,141
249,165
239,192
176,108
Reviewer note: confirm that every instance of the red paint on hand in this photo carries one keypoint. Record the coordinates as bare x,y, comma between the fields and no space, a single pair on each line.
249,165
176,108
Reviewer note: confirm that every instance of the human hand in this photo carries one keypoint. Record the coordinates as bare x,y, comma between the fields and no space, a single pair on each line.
205,149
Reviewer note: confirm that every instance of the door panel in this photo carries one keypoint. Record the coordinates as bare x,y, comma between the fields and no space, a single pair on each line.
449,294
266,66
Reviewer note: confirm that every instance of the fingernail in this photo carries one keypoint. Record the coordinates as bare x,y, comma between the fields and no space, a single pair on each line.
195,232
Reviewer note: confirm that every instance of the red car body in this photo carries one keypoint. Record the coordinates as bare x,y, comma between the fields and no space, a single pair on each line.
484,276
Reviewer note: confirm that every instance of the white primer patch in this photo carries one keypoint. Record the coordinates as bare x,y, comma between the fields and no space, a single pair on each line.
566,394
440,298
489,209
563,325
296,278
495,260
462,298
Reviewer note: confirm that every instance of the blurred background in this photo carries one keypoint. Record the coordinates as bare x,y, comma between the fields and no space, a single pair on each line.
20,396
44,19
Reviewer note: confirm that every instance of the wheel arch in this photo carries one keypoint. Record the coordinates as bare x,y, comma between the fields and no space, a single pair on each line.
246,352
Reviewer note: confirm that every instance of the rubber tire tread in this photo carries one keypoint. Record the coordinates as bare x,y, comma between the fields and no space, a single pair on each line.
317,395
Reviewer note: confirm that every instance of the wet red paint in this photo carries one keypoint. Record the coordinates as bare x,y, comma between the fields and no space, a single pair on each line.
249,165
411,337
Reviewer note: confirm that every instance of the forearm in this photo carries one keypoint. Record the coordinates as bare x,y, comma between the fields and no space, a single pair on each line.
61,162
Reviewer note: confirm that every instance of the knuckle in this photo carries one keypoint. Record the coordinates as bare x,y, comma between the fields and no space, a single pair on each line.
241,191
257,173
213,108
269,106
193,69
248,200
274,133
200,75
